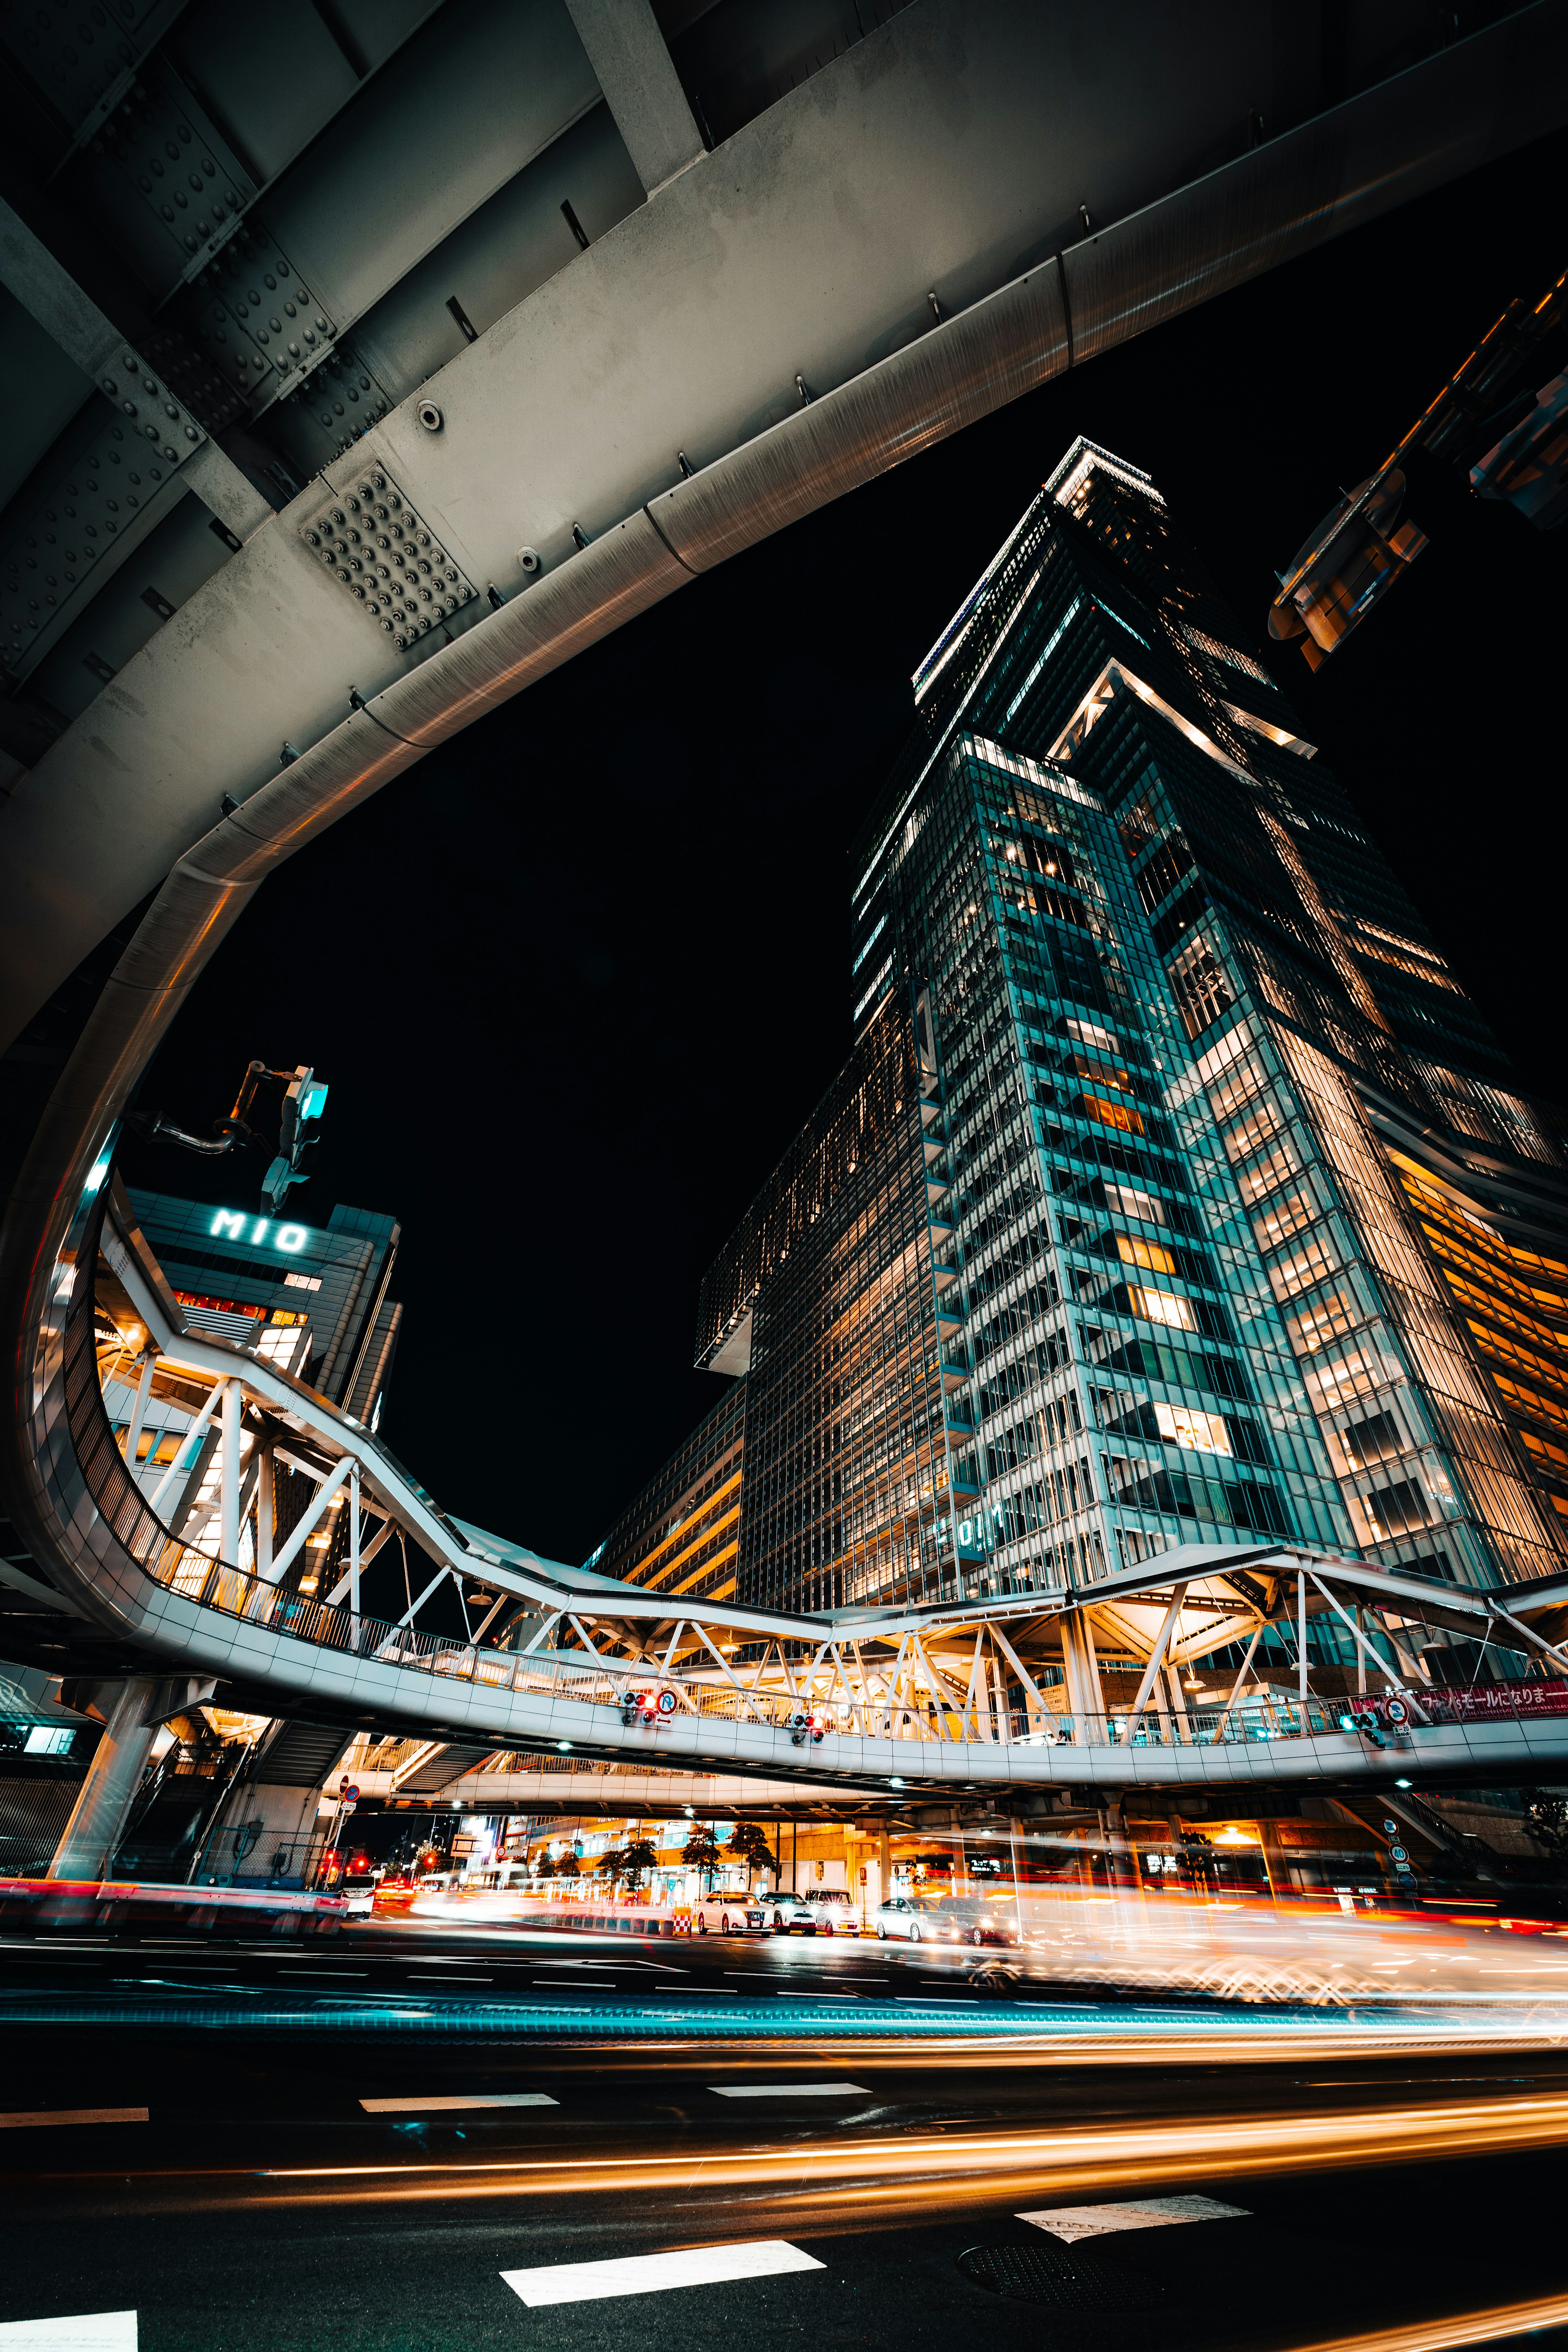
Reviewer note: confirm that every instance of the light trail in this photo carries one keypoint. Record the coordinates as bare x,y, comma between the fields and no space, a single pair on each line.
1449,2335
883,2178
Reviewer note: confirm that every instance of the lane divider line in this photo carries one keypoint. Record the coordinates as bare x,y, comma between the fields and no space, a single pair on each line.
650,2274
1071,2222
473,2099
31,2118
796,2091
94,2331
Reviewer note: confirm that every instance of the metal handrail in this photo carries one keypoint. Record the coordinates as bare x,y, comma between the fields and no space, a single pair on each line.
233,1592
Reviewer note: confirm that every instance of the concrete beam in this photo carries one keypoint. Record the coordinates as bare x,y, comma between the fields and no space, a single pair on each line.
642,90
949,151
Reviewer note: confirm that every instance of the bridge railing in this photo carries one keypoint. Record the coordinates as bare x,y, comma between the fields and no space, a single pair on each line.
870,1716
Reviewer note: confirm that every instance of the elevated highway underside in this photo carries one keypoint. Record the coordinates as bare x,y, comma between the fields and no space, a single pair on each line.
948,210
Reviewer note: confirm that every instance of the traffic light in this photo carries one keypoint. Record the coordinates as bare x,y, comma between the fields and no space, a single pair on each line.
646,1705
304,1100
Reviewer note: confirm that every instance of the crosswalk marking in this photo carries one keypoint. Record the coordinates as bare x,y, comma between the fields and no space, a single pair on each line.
28,2118
95,2331
471,2099
648,2274
1074,2221
789,2090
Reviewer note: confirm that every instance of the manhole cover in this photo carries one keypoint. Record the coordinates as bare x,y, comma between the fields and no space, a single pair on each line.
1062,2277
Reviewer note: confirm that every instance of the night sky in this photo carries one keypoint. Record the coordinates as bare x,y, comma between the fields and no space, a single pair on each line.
576,979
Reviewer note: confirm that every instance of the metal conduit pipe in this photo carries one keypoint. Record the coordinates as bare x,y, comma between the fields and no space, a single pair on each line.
1492,93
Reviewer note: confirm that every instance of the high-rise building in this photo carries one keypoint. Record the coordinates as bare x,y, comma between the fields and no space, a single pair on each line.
312,1298
1173,1190
679,1535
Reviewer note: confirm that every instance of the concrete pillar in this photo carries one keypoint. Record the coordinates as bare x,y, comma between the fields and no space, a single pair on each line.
1094,1696
1072,1670
1119,1867
228,1475
100,1814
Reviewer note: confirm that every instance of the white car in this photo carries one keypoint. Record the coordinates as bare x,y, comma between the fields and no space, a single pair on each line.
834,1912
913,1916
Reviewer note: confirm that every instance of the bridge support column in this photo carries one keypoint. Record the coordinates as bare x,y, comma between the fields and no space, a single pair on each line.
100,1814
1121,1869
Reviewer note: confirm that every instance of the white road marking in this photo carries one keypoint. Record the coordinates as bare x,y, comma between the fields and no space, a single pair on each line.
478,2099
659,1968
95,2331
1075,2221
647,2274
579,1984
789,2090
20,2118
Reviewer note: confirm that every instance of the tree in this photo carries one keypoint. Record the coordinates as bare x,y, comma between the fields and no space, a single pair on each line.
703,1852
748,1843
634,1859
609,1865
544,1867
1547,1812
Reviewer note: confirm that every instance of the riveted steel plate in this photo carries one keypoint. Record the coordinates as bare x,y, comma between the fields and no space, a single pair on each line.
372,539
146,437
262,324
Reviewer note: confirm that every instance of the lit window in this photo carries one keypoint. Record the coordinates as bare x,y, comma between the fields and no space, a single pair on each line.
48,1740
1133,1203
1161,1306
1144,1253
1121,1115
301,1282
1206,1433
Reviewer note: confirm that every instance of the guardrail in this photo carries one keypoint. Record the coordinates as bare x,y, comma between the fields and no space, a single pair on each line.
1380,1718
126,1902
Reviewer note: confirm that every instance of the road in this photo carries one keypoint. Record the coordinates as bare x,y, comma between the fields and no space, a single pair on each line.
249,2197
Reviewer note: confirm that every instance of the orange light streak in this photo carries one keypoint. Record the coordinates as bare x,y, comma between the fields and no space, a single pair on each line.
1471,2328
993,2165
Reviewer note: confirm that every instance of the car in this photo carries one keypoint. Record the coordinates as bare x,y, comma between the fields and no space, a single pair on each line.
834,1912
739,1914
978,1919
782,1912
358,1897
913,1917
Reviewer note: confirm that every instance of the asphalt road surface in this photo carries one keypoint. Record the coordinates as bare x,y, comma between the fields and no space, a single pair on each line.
178,2186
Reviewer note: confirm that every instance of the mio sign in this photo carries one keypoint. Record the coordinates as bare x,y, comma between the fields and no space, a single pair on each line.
234,1225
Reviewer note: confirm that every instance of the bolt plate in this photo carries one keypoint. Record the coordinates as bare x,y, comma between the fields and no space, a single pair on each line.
160,173
48,560
262,326
373,541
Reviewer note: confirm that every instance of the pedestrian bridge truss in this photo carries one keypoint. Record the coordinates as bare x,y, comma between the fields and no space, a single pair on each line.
177,1549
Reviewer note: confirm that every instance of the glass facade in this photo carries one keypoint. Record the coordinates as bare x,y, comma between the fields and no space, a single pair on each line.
679,1535
1174,1190
315,1296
